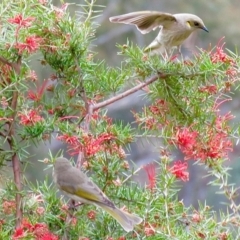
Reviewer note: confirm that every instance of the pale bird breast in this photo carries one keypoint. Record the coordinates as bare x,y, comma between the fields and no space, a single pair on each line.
174,36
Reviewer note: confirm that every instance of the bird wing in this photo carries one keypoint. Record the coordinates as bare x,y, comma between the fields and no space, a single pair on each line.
82,187
146,21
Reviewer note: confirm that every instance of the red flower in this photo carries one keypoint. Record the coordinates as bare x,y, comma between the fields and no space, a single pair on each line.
41,232
89,144
186,139
22,22
30,118
196,217
91,215
27,225
231,72
179,170
31,45
93,145
151,173
8,207
210,89
150,122
32,76
72,140
36,96
159,107
18,233
59,12
219,55
149,230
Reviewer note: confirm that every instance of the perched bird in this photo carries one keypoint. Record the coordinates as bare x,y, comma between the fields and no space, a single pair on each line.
79,187
174,28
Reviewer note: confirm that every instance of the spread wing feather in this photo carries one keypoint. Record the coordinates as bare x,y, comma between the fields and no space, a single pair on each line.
146,21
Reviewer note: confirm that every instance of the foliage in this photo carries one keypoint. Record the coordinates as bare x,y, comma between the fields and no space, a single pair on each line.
69,106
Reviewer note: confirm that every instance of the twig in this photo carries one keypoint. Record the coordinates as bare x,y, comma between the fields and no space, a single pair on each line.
126,93
128,177
90,11
81,155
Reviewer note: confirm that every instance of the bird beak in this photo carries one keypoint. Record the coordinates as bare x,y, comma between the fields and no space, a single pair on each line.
204,28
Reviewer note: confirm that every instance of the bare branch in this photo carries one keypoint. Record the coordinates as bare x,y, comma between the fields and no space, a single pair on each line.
127,93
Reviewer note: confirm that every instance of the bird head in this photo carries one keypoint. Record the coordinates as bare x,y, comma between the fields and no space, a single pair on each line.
192,21
62,164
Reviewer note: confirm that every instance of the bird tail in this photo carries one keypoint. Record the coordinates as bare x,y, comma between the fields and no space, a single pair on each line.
126,220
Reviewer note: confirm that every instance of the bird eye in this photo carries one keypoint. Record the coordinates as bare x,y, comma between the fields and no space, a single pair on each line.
196,24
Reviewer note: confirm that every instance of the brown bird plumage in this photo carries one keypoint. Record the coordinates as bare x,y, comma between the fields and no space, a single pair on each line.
174,28
75,184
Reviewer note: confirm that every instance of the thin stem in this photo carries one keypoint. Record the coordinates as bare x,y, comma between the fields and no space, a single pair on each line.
81,155
90,11
127,93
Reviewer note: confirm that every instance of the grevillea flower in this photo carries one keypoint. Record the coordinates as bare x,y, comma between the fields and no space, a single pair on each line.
72,140
22,22
179,170
38,231
93,145
29,118
149,229
36,96
186,139
89,144
151,173
219,55
18,233
91,215
214,144
31,44
210,89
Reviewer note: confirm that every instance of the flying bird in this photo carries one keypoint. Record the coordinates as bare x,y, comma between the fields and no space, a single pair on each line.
174,28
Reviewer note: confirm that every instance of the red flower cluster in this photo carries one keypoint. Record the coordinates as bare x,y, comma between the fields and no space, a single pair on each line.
214,144
71,140
31,44
179,170
89,144
21,22
30,118
219,55
186,140
38,231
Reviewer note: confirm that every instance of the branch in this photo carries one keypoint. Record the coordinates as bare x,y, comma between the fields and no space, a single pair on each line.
127,93
10,138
